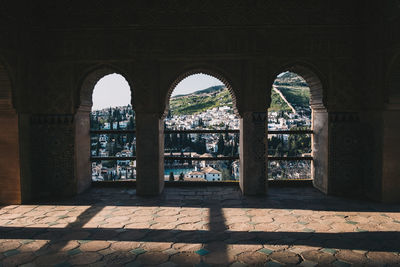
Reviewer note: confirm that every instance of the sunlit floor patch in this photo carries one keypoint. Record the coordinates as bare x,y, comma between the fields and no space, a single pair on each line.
220,227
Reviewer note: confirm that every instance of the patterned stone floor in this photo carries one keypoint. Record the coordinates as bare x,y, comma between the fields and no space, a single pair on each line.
202,226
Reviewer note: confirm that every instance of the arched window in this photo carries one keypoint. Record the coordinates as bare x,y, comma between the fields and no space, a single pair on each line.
112,123
101,150
299,127
201,127
289,128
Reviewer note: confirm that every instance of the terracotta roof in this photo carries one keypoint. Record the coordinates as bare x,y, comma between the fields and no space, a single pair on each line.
206,155
210,170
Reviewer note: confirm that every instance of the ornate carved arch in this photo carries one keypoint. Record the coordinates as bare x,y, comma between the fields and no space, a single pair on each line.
92,77
313,79
207,71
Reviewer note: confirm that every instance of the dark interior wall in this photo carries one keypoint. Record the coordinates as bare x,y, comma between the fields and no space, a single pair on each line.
52,46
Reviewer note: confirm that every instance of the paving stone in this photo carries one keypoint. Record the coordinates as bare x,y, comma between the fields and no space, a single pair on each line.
237,219
132,235
262,219
379,257
152,258
30,264
171,251
238,264
341,264
85,258
202,252
156,246
76,235
138,251
244,247
18,259
63,245
74,251
329,250
9,245
33,246
285,257
318,256
185,258
184,247
265,251
308,263
252,258
351,257
12,252
240,227
118,258
51,259
221,257
168,264
94,246
125,245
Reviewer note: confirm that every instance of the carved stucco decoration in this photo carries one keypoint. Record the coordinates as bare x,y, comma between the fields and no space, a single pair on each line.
52,155
69,13
346,95
345,145
52,88
259,142
6,92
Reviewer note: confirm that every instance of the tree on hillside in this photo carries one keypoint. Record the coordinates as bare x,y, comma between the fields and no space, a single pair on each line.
221,144
131,123
174,141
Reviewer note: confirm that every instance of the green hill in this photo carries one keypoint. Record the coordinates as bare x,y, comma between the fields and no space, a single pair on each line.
200,101
277,103
292,87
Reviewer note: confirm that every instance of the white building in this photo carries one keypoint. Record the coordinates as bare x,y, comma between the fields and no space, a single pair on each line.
195,174
211,174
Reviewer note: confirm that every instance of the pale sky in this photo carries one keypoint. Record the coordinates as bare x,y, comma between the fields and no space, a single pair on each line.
194,83
111,91
114,91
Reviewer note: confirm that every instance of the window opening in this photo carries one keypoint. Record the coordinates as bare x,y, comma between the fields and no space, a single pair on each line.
289,129
112,124
201,132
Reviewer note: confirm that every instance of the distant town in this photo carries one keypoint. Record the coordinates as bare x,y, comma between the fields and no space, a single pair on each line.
213,111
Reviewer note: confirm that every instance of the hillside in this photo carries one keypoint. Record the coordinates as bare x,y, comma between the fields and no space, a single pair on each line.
292,87
199,101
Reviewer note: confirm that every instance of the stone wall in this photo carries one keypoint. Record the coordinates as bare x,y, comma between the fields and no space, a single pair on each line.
54,48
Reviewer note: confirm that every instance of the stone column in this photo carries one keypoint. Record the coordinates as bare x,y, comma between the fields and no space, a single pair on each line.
52,147
253,156
10,178
82,170
345,169
390,155
150,154
320,145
